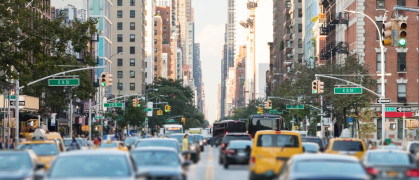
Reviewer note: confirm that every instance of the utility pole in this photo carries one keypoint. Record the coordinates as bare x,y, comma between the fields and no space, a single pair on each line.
321,117
17,112
90,119
71,116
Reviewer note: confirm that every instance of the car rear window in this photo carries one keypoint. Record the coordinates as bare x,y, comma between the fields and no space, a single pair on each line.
229,138
347,146
239,144
327,167
277,140
385,158
314,140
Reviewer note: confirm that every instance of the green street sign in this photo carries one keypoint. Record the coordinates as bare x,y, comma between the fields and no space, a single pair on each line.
12,97
63,82
118,119
275,112
148,109
113,104
98,117
390,109
170,121
295,107
348,90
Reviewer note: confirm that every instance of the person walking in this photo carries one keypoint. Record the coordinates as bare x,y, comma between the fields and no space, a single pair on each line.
96,141
74,145
185,146
11,144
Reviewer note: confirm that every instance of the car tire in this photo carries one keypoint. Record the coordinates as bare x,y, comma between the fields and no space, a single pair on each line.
226,165
220,160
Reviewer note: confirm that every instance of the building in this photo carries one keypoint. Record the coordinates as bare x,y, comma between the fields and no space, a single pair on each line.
311,11
224,67
240,77
294,46
158,47
164,13
128,50
197,76
149,41
250,24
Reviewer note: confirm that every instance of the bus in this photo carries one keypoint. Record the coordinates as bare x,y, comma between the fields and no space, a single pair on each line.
169,129
265,122
220,128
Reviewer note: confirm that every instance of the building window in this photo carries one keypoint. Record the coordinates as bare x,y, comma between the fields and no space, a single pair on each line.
119,14
155,58
132,50
145,74
132,13
119,3
132,25
379,24
119,49
119,37
155,23
155,32
288,4
288,17
401,93
132,74
119,25
379,88
132,86
288,30
132,38
132,3
300,58
300,43
379,61
300,12
300,28
155,68
401,2
119,86
381,5
401,62
120,62
119,74
132,62
155,41
155,50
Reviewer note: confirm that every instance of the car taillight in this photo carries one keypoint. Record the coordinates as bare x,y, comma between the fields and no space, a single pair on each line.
223,145
226,132
230,151
251,137
372,171
253,160
277,132
412,173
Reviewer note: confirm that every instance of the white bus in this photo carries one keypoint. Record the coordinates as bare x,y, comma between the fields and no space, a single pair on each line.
172,129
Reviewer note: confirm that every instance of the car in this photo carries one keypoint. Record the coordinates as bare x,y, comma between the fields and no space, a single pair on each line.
46,151
200,141
159,163
390,164
237,152
194,149
348,146
323,166
131,141
271,150
161,142
411,146
81,141
19,164
52,136
310,147
230,137
116,145
314,140
86,164
391,147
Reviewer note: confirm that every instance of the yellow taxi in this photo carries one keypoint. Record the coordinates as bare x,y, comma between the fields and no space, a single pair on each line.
50,136
348,146
46,150
115,145
271,150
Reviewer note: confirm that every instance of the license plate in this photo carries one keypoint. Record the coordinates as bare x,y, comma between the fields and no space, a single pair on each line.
241,154
392,173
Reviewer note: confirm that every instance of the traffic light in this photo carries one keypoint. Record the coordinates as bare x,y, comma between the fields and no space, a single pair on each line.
169,109
103,79
134,102
402,25
138,102
109,80
166,108
269,104
314,87
12,92
159,112
320,87
386,31
260,110
266,105
183,120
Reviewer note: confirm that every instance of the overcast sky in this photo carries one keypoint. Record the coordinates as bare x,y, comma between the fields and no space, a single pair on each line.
210,20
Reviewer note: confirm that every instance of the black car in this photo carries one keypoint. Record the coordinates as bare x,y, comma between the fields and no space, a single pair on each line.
159,163
194,149
230,137
314,140
237,152
19,165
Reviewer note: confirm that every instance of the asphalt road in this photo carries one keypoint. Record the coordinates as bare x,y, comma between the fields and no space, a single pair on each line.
208,168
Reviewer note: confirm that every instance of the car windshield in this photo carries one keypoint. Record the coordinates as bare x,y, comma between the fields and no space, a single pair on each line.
90,166
239,144
389,158
14,161
80,141
277,140
155,158
229,138
310,147
41,149
160,143
130,141
347,146
108,145
314,140
329,167
67,142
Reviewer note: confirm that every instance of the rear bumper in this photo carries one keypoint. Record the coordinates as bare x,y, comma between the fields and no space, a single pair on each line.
266,175
237,160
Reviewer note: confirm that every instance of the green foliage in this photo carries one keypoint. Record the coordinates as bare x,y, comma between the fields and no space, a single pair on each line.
366,123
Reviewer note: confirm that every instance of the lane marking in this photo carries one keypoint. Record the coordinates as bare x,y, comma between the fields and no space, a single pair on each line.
209,170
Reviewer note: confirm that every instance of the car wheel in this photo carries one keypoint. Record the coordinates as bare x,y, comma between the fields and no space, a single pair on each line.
225,165
220,160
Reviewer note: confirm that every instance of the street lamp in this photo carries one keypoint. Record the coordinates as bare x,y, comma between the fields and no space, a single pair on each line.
383,94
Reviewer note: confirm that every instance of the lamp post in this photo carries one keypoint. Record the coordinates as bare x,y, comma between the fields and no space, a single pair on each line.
383,94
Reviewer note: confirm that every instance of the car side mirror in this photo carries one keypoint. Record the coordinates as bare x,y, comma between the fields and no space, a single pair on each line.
40,166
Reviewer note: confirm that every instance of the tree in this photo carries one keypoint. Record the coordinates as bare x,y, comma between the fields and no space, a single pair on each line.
366,123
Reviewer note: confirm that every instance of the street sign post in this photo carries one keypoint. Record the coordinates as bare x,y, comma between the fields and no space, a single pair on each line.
404,109
383,101
21,103
11,97
348,90
350,121
113,104
98,117
390,109
63,82
295,107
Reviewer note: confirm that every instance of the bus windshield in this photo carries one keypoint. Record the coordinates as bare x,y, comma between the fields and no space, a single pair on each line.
258,124
173,130
236,126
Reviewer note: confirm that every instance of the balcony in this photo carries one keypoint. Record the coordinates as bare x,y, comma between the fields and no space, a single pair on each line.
341,19
342,48
288,50
292,23
287,37
324,30
287,23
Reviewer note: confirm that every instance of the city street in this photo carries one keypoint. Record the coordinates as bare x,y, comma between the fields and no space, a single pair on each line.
208,168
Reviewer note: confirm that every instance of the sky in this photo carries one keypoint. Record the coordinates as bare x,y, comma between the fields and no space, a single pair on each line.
210,19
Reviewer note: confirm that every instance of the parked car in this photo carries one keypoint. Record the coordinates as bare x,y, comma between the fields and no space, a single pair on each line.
311,147
230,137
161,142
390,164
19,165
237,152
323,166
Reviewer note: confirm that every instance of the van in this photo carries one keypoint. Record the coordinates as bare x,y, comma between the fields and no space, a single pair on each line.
271,150
347,146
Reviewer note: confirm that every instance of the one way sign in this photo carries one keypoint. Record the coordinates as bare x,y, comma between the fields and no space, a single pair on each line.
383,101
404,109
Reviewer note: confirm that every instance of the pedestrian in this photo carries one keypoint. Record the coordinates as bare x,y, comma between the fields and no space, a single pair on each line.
96,141
74,145
1,143
185,146
11,144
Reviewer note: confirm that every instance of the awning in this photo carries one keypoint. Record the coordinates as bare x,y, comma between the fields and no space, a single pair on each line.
398,114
